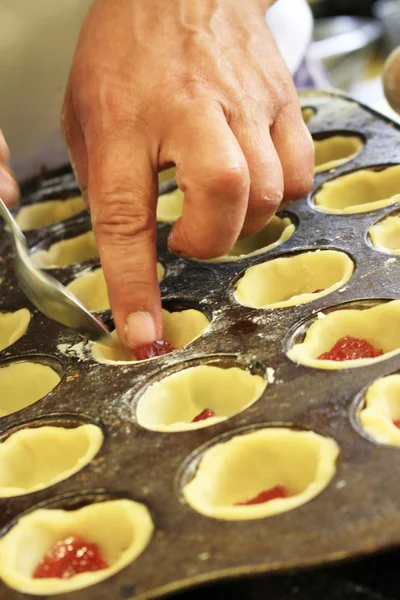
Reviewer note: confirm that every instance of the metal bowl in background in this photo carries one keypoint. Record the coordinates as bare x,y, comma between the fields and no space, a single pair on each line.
388,13
344,45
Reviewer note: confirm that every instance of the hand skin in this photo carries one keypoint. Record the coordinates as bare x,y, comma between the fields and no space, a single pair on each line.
195,83
391,79
9,191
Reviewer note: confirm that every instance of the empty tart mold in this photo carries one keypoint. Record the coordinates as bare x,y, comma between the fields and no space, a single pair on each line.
295,279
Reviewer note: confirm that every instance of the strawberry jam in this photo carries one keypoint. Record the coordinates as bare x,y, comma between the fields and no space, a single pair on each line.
279,491
397,423
207,413
70,557
157,348
349,348
318,291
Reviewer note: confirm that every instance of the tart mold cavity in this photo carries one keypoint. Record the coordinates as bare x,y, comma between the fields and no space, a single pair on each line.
378,408
121,528
358,191
13,325
376,321
74,245
171,404
244,465
49,212
335,149
293,279
384,235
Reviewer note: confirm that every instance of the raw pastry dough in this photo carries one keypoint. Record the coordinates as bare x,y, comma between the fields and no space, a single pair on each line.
67,252
34,459
239,469
385,235
167,175
121,528
91,289
172,403
13,325
277,231
360,191
179,328
23,383
47,213
382,407
307,113
379,325
170,206
336,150
289,281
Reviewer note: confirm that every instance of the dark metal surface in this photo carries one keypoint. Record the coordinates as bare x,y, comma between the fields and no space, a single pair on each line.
357,514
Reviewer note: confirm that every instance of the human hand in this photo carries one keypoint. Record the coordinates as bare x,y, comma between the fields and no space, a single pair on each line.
196,84
9,191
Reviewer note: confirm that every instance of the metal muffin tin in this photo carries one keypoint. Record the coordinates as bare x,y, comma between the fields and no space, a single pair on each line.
359,512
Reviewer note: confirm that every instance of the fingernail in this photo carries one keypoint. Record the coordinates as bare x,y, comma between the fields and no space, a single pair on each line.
140,329
9,191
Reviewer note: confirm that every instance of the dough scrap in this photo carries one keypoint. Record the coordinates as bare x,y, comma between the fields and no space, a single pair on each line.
121,528
277,231
308,114
67,252
236,470
335,150
23,383
172,403
13,326
379,325
34,459
91,289
360,191
49,212
179,329
170,206
290,280
385,235
382,407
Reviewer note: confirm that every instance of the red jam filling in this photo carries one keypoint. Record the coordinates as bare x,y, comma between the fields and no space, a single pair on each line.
349,348
70,557
397,423
207,413
318,291
279,491
157,348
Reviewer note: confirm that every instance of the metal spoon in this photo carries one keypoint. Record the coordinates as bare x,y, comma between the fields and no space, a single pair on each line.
49,295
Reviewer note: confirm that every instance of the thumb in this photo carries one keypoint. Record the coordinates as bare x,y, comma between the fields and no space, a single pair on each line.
391,79
122,190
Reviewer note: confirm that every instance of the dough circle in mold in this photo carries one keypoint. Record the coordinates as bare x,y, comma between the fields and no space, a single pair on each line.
239,469
385,235
291,280
91,289
360,191
34,459
13,325
379,325
172,403
179,329
275,233
335,150
122,529
382,407
47,213
23,383
307,113
67,252
170,206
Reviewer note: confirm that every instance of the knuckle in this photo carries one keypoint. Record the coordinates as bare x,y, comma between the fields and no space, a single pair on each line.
121,216
231,179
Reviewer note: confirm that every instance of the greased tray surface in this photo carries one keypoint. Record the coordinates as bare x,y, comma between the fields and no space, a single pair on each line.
359,512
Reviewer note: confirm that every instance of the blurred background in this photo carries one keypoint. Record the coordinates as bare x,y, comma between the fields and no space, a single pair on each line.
37,40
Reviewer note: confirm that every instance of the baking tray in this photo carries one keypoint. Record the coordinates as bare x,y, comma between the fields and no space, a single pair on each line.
358,513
